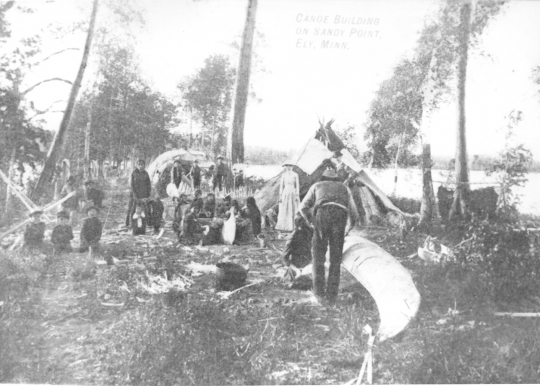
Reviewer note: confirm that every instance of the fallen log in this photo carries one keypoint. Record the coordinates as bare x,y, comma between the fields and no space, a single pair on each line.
519,314
388,282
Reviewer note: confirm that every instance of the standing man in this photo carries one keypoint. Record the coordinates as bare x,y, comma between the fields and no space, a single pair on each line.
176,173
196,175
141,188
330,201
220,173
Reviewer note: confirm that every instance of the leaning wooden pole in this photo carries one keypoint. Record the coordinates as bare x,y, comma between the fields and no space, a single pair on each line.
56,147
235,139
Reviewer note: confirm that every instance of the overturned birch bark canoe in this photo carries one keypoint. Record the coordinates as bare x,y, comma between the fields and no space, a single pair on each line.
388,282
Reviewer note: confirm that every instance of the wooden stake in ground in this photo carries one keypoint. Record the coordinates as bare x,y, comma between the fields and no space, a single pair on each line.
56,147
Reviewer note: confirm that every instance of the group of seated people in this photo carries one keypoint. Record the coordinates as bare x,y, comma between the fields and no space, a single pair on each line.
62,233
201,220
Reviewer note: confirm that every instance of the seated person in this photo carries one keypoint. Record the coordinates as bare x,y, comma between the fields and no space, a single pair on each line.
298,247
138,223
91,232
243,225
270,216
223,209
197,199
209,206
179,213
192,232
252,212
35,231
62,234
92,193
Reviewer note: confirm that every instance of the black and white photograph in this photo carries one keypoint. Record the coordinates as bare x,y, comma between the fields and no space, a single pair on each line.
269,192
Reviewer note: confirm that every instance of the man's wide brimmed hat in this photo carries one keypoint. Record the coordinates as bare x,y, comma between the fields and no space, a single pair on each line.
220,157
288,163
90,208
89,182
329,173
37,211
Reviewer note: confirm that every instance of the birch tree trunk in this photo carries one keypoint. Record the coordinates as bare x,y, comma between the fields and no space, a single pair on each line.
235,140
428,210
87,171
56,147
459,205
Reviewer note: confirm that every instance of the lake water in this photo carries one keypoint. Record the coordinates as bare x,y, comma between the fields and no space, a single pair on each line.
410,183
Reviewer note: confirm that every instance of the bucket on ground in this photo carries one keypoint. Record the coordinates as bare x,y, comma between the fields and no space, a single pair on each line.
230,276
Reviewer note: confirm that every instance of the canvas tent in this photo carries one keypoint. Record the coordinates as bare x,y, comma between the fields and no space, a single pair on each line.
311,162
165,160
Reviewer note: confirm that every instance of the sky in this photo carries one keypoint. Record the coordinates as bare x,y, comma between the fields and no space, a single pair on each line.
304,78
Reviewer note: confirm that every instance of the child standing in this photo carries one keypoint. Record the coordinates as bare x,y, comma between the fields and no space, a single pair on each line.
91,232
156,213
35,231
139,221
62,234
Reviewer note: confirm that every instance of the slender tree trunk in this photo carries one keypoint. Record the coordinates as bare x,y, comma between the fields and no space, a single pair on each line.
56,147
235,140
212,150
396,163
11,167
459,206
429,209
87,170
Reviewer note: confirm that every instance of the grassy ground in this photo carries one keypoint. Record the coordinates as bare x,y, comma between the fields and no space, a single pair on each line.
67,320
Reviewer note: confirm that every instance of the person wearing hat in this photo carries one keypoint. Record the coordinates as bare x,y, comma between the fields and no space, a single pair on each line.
71,205
35,231
330,201
93,194
220,173
195,173
239,178
62,234
141,187
289,198
91,231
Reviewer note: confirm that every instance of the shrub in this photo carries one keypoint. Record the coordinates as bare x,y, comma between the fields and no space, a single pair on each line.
19,306
505,258
409,205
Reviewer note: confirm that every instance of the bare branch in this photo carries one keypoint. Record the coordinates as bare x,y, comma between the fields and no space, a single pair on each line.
41,112
46,80
56,53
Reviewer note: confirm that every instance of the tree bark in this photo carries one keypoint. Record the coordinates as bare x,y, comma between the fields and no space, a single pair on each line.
428,210
459,205
87,171
235,140
56,147
11,167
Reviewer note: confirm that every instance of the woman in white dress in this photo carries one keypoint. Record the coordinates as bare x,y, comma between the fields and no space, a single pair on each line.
289,198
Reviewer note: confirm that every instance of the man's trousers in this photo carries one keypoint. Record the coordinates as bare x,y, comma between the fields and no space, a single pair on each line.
330,222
